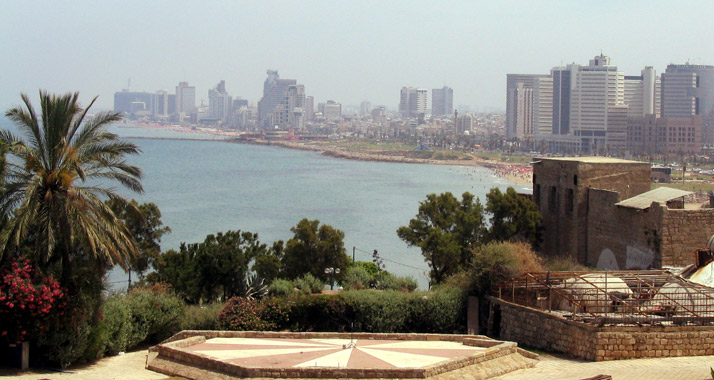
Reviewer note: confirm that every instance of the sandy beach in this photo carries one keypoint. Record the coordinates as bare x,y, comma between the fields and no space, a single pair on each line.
520,175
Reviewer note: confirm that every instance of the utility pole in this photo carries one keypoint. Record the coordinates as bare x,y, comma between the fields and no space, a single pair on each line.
353,254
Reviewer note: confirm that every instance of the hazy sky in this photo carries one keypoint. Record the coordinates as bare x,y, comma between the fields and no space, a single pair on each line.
345,50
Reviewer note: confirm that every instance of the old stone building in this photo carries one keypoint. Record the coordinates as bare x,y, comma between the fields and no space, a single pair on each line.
601,212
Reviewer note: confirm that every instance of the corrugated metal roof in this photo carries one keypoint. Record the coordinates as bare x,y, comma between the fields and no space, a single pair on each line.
660,194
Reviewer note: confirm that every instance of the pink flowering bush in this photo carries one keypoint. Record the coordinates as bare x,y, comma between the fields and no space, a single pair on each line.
26,301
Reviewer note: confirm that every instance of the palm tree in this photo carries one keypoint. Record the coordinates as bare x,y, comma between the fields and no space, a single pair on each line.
58,174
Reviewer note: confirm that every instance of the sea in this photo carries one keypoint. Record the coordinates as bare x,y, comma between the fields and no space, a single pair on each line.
204,184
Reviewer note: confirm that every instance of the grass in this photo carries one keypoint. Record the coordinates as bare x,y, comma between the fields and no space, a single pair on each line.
686,186
505,157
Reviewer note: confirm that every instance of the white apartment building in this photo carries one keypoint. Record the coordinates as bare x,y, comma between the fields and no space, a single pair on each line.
642,93
594,89
412,102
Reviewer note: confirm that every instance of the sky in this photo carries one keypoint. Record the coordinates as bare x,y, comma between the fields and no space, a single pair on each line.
347,50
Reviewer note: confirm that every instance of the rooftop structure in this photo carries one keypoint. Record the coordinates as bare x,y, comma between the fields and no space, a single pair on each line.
605,315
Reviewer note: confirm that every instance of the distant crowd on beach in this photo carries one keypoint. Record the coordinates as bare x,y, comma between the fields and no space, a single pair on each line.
514,173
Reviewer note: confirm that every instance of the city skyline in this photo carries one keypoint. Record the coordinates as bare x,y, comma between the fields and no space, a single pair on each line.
348,52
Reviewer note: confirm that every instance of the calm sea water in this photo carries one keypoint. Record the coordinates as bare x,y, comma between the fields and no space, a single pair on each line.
203,187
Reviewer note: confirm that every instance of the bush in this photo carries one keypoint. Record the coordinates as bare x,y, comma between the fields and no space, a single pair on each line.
371,268
242,314
564,263
357,278
319,313
378,311
116,328
280,287
143,316
275,312
201,317
387,281
496,262
439,311
309,284
155,313
360,277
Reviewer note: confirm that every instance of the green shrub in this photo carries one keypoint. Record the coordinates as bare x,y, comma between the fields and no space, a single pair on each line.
438,311
309,284
319,313
115,329
155,315
387,281
371,268
378,311
357,278
275,312
242,314
67,345
201,317
280,287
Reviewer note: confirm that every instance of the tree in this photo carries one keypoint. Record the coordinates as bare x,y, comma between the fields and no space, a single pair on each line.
446,230
217,268
513,217
144,224
312,249
56,180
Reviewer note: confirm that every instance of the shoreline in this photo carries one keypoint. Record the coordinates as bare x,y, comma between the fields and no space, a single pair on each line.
518,175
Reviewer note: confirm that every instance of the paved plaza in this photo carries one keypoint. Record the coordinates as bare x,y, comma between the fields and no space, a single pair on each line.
339,353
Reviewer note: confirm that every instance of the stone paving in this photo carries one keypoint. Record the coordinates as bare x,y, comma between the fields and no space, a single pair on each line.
677,368
339,353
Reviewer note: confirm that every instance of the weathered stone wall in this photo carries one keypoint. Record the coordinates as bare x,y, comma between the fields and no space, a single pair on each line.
620,237
615,343
538,329
532,328
682,232
626,238
560,188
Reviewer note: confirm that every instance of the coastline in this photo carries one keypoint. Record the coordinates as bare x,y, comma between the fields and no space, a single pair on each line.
518,175
514,174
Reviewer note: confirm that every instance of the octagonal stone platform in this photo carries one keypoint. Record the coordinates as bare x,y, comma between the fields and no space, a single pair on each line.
239,354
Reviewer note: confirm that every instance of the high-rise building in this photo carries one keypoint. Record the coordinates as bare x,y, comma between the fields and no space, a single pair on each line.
127,101
274,92
185,98
220,104
160,104
332,110
442,101
561,100
365,108
290,113
464,123
520,111
595,88
642,93
688,90
543,106
310,108
412,102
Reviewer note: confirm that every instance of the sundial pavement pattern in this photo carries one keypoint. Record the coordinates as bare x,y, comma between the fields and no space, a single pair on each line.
366,353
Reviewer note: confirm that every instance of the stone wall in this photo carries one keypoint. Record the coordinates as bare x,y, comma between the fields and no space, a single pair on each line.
534,328
621,237
626,238
682,232
560,188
